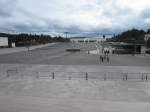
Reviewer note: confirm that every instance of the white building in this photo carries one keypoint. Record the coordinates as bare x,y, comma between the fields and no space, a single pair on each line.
147,37
88,40
3,41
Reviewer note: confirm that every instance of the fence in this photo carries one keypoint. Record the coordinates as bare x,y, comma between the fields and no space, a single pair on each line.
78,75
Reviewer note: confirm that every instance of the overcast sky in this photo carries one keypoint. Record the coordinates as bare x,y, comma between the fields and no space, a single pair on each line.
104,16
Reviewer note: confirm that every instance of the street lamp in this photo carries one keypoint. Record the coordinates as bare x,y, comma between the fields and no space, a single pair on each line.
134,45
66,34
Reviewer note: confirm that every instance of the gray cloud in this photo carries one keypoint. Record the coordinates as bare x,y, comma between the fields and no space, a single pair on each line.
7,7
4,13
145,13
83,15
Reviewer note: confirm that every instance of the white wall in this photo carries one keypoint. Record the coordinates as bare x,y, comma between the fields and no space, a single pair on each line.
3,41
97,39
147,36
143,49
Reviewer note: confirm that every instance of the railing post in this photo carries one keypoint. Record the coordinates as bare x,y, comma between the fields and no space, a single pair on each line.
105,78
53,75
126,76
69,76
146,77
86,76
142,77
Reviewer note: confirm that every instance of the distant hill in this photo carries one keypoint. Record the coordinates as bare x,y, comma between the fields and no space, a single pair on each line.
77,37
4,35
25,39
130,36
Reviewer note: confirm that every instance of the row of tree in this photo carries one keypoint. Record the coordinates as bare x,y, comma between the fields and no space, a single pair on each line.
132,36
32,39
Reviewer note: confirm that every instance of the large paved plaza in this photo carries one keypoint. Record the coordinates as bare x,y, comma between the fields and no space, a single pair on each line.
26,83
57,55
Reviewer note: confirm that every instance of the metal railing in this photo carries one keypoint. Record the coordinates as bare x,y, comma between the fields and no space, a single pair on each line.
78,75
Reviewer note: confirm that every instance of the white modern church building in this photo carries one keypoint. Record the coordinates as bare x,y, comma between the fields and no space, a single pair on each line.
88,40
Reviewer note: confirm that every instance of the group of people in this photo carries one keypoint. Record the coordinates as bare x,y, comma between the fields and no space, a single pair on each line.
105,57
106,52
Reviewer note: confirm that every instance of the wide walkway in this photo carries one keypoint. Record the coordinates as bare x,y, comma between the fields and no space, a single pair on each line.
74,96
20,49
38,104
57,55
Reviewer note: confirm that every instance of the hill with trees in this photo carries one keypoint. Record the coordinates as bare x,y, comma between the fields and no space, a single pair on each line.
132,36
25,39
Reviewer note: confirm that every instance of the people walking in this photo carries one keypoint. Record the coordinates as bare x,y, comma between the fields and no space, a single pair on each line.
101,59
104,58
108,59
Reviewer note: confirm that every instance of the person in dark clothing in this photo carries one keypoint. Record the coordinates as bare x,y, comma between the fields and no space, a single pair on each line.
108,59
101,58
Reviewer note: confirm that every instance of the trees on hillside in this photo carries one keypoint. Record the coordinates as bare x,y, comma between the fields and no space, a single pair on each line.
130,36
148,43
24,39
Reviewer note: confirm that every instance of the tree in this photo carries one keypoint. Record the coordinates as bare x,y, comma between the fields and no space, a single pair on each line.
129,36
148,43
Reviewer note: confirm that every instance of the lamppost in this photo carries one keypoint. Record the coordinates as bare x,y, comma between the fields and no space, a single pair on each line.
66,34
134,46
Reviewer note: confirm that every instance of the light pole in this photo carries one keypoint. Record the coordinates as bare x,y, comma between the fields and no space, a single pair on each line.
134,46
66,34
